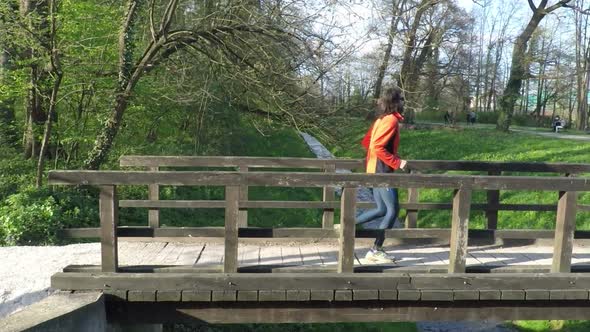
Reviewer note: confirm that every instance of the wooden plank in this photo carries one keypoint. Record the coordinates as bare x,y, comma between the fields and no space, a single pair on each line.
536,294
347,230
109,216
564,232
196,295
568,294
493,197
232,195
247,295
465,295
227,295
436,295
154,195
459,230
388,294
365,294
315,180
272,295
298,295
343,295
168,296
413,197
460,165
512,294
408,295
328,194
243,214
322,295
141,296
490,294
235,161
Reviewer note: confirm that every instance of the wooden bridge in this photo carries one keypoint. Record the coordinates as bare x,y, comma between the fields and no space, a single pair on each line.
250,282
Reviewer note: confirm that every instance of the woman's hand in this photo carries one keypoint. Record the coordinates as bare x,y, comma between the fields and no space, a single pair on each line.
403,164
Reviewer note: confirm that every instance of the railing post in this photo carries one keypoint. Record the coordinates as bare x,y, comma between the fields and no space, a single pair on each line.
328,195
243,214
347,230
109,215
493,201
413,197
232,196
564,232
154,195
459,230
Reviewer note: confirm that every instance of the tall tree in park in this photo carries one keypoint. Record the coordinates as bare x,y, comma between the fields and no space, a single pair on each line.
234,38
518,66
582,57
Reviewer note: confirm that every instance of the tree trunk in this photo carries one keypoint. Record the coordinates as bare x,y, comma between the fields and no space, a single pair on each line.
518,69
395,18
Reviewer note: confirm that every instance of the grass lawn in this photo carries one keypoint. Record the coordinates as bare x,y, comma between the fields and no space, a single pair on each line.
476,144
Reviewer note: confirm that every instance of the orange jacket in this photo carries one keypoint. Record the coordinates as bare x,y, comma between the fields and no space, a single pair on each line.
381,142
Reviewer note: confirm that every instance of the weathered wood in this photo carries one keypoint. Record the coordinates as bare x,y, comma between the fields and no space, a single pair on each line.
196,295
298,179
109,212
408,295
365,294
298,295
343,295
459,230
248,295
413,197
322,295
154,195
232,195
328,194
141,296
536,294
564,232
388,294
490,294
272,295
347,230
568,294
512,294
436,295
493,197
226,295
465,295
168,296
243,214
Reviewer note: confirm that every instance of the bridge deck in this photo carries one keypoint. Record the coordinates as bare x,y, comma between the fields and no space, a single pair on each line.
323,254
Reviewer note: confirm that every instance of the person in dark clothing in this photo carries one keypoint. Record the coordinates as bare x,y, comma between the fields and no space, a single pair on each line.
381,142
447,117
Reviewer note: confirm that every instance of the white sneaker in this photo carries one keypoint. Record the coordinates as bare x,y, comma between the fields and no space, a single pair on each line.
379,256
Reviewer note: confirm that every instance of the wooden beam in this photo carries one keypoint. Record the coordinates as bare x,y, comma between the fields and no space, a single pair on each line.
109,211
315,180
243,213
154,195
413,197
328,194
232,196
347,228
493,201
459,230
564,232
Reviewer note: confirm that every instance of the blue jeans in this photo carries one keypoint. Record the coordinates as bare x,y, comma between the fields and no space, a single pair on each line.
387,207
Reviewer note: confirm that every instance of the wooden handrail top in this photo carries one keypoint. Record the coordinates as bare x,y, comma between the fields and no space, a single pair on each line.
234,161
288,162
302,179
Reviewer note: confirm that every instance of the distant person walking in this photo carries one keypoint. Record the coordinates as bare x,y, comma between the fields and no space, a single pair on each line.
447,117
381,142
471,116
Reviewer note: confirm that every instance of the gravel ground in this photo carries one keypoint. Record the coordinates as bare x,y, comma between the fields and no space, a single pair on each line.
25,272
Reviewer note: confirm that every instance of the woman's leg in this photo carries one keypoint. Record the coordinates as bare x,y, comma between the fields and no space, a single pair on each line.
389,196
379,211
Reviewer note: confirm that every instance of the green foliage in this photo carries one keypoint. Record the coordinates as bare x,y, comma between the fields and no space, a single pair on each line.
34,216
524,120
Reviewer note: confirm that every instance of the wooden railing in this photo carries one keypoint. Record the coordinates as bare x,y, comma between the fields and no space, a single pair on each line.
463,185
329,203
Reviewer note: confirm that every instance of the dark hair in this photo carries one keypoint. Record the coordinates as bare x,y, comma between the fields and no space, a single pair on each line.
391,101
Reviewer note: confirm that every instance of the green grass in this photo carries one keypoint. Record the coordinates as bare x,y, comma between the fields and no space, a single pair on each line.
339,327
475,144
552,325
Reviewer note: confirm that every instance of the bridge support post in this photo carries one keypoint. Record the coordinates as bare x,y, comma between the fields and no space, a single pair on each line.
564,232
459,230
493,202
413,197
243,214
154,195
328,195
347,230
232,196
109,217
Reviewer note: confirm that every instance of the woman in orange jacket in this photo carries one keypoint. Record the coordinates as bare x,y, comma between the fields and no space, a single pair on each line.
381,142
